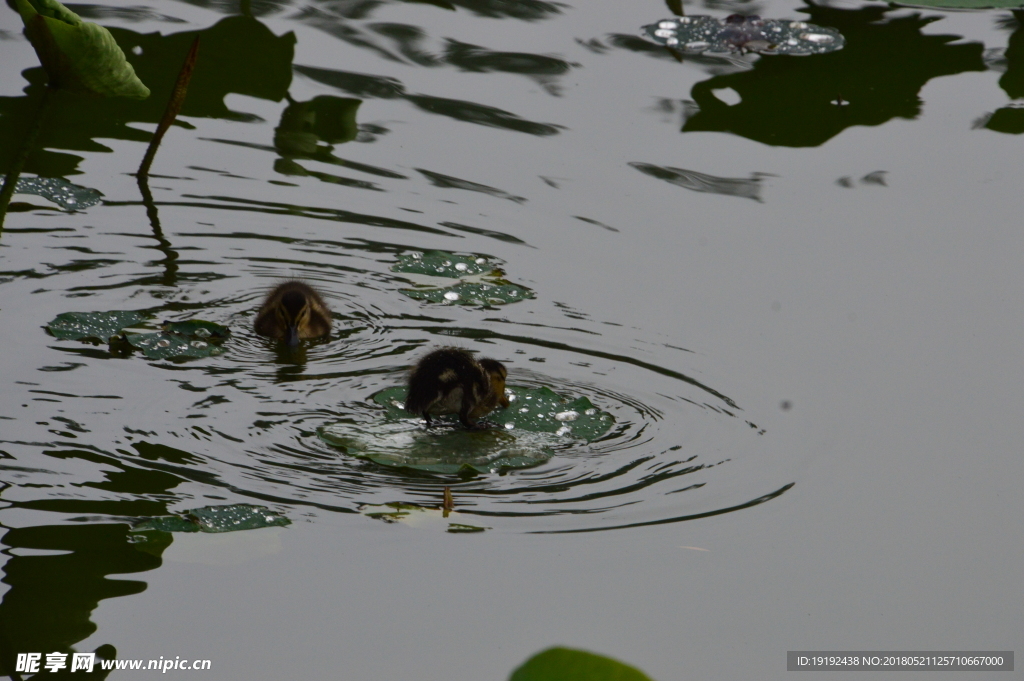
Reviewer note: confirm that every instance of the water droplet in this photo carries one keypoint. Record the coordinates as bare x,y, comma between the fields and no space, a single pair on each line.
417,256
698,45
461,266
567,415
819,38
509,425
198,344
792,41
590,412
481,261
564,430
137,50
662,33
667,24
451,295
671,41
797,25
523,410
203,333
447,263
163,343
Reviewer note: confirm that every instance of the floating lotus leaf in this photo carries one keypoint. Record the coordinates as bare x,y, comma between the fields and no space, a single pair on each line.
736,33
96,327
537,422
58,191
481,279
230,518
160,345
565,664
535,410
470,293
78,55
443,264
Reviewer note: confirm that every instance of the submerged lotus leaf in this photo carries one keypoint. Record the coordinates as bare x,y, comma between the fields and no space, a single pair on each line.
449,451
58,191
230,518
566,664
443,264
159,345
736,33
418,516
471,293
93,326
535,410
78,56
197,328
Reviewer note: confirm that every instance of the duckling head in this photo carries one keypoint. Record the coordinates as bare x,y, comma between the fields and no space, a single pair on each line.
496,374
293,313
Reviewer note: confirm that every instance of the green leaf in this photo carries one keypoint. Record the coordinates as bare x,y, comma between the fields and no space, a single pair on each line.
59,191
230,518
481,279
538,422
535,410
78,56
197,328
468,293
565,664
443,264
159,345
406,444
96,327
459,528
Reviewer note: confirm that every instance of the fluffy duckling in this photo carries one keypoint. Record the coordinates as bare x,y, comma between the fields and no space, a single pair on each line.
450,381
293,311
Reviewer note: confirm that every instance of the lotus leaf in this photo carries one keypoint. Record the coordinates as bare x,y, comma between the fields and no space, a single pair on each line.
565,664
78,56
230,518
96,327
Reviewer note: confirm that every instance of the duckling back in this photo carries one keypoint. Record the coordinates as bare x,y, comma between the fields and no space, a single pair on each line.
293,310
450,381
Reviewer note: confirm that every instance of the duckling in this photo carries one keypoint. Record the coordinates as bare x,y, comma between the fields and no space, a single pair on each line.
450,381
292,311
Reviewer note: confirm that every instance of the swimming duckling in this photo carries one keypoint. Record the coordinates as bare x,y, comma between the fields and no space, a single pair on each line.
293,311
450,381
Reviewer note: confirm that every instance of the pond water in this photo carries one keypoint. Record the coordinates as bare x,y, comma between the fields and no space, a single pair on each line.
792,285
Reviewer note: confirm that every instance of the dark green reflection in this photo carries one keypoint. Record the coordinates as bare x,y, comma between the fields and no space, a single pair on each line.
1010,119
788,101
238,55
51,597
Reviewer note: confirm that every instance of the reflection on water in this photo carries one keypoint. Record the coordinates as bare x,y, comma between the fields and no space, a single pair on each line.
92,440
700,182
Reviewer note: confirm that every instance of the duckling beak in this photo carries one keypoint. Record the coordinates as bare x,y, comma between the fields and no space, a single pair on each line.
293,335
503,402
